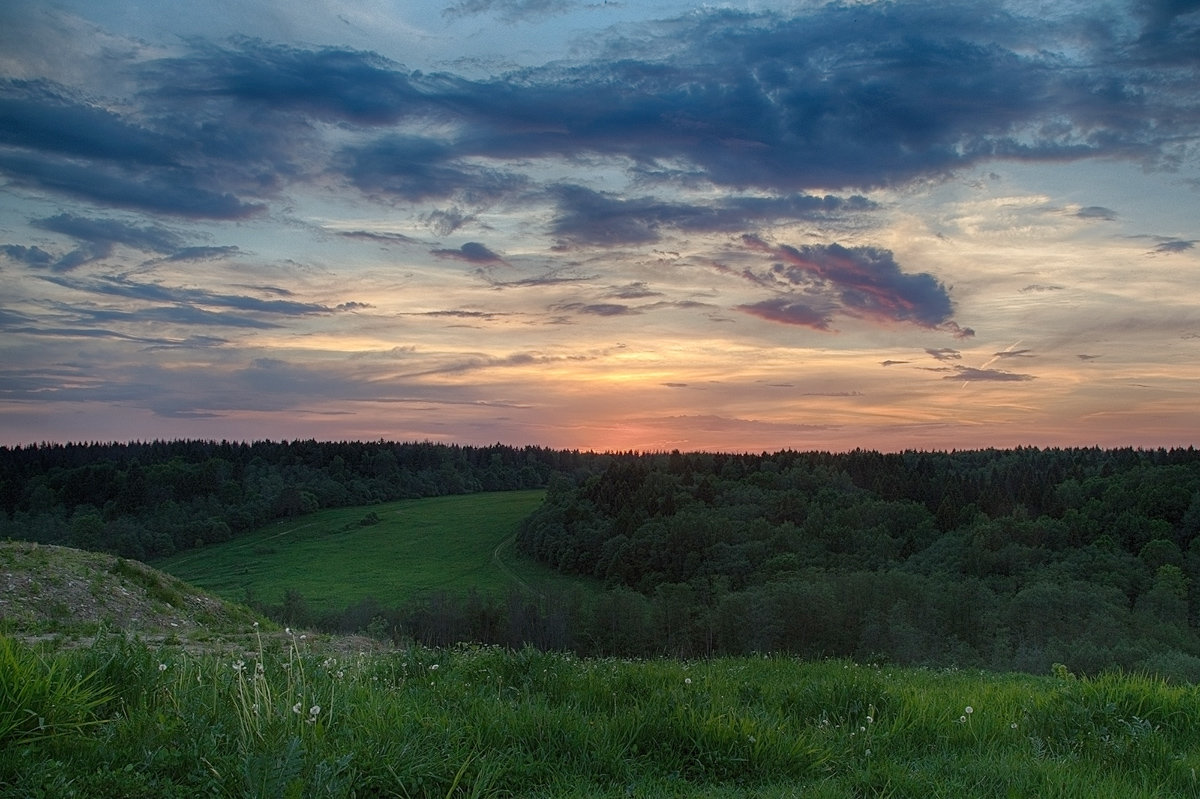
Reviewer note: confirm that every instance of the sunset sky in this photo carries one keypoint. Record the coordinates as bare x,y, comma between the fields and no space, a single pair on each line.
740,226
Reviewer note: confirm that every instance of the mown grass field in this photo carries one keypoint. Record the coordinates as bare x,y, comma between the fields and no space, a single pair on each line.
120,719
419,546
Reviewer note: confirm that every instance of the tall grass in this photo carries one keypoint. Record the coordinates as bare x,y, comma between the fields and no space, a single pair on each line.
280,719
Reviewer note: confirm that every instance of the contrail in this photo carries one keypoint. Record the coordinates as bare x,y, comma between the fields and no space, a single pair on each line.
995,358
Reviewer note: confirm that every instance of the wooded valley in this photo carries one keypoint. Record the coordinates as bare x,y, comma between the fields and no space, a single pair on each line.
1003,559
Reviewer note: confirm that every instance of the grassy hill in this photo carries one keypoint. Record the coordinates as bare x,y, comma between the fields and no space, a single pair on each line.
62,592
389,552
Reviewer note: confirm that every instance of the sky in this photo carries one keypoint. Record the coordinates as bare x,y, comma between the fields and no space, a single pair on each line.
738,226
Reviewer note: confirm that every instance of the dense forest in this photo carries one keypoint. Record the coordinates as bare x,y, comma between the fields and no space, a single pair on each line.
1005,559
1009,559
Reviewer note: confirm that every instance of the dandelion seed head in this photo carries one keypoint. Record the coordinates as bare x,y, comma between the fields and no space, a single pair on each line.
434,667
687,680
970,710
162,666
962,719
296,708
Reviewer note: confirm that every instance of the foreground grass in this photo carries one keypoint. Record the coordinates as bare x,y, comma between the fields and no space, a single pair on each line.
334,559
280,720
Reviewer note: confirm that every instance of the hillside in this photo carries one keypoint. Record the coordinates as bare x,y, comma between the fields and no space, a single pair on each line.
53,590
390,552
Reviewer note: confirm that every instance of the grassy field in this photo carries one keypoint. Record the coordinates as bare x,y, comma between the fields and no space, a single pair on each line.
283,720
418,546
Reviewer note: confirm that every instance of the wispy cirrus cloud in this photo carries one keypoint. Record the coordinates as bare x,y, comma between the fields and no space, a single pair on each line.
120,286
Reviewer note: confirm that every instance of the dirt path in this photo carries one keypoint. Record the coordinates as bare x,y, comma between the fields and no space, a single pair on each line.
500,564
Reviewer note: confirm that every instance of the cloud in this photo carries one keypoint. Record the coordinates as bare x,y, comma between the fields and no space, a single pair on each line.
471,252
863,281
944,354
30,256
788,312
596,308
890,362
165,191
1097,212
327,83
510,11
120,286
416,168
587,217
972,374
203,253
112,231
1026,353
1040,287
373,235
1174,246
1084,357
41,116
770,108
633,291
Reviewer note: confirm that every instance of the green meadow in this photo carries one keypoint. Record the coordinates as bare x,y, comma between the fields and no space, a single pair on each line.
388,552
278,719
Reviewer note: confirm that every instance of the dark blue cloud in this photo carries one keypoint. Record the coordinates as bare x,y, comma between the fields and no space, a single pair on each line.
471,252
60,144
588,217
862,281
326,83
832,98
1175,245
168,191
149,238
415,168
31,256
40,116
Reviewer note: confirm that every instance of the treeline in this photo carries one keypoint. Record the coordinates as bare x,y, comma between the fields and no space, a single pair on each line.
1011,559
150,500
